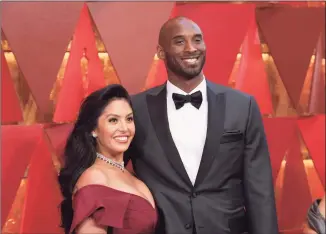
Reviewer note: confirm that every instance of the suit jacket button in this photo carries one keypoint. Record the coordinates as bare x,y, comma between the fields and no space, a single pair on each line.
194,195
188,226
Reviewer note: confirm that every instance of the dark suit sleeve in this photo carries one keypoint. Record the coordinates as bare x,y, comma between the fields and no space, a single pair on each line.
129,153
258,182
130,156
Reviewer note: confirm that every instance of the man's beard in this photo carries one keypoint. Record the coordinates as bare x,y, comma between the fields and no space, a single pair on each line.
177,68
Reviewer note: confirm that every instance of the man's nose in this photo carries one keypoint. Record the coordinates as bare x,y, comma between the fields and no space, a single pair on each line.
190,47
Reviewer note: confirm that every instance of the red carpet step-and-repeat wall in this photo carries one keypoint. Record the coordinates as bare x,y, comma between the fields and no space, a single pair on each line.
55,53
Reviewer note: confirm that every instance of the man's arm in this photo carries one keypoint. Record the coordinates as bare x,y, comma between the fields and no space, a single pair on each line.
258,181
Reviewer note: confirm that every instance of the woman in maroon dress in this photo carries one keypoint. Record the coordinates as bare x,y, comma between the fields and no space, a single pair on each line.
100,196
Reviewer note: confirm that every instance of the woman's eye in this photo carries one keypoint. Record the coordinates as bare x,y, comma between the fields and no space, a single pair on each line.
130,119
113,120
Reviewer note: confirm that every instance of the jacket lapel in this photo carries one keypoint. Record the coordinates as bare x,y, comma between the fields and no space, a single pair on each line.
156,102
215,128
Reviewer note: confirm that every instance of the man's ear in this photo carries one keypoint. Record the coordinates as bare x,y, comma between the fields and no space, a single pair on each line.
160,52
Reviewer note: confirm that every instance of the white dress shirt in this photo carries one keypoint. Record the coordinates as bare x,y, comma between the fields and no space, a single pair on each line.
188,127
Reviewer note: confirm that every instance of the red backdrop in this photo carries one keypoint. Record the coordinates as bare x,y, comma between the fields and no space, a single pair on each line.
104,41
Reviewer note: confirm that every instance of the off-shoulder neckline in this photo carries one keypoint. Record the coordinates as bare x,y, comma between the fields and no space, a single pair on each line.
115,190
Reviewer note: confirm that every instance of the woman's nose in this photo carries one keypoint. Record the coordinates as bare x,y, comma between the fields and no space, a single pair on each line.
123,126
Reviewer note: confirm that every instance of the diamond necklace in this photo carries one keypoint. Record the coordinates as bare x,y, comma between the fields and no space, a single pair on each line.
121,165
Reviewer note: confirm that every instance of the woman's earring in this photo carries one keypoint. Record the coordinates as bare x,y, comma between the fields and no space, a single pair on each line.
161,55
94,134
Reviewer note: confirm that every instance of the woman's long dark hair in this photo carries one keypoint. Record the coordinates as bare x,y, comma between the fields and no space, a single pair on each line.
80,149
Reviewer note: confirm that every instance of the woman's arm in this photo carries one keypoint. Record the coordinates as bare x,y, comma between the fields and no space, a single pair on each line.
91,176
89,226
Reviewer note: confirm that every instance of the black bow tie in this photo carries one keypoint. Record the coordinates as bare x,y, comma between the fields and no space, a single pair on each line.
195,99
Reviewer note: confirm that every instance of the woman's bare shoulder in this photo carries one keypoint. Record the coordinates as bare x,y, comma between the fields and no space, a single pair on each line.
92,175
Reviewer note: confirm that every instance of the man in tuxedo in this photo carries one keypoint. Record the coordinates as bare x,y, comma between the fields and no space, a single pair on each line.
201,147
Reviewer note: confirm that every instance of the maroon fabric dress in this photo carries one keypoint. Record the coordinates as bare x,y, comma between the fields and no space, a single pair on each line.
123,212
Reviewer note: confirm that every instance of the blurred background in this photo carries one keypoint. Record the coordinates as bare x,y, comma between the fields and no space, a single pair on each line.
56,53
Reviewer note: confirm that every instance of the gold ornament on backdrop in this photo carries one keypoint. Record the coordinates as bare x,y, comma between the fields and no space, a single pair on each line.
84,71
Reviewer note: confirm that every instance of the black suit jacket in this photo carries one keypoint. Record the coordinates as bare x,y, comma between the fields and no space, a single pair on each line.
233,192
